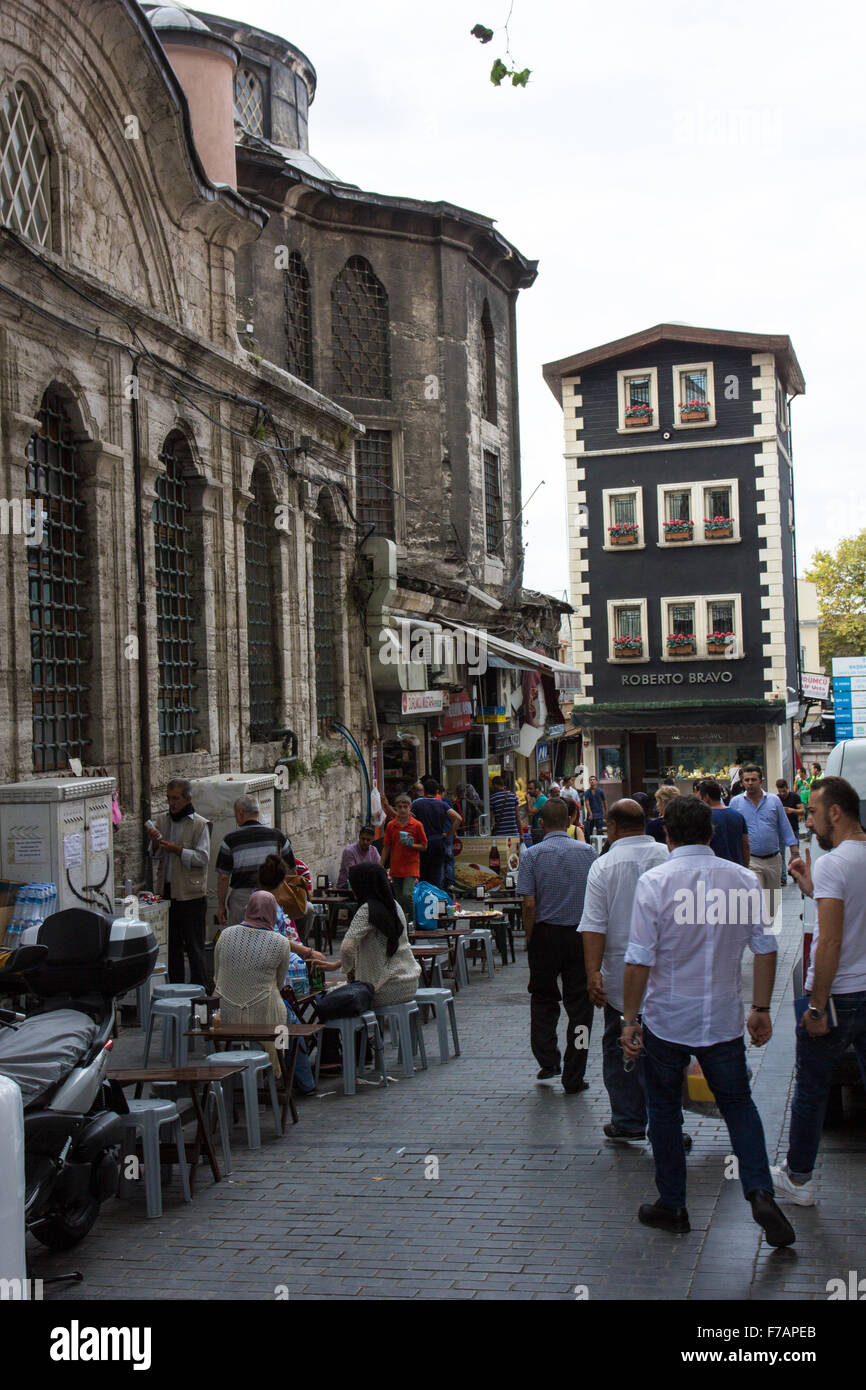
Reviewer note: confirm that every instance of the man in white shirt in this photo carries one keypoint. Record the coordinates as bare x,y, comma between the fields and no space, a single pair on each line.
837,967
605,925
692,918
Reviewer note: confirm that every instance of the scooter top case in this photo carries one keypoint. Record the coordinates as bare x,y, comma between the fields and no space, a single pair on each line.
89,954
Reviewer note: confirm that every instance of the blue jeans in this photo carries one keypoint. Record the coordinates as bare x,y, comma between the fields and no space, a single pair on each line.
304,1079
624,1088
594,826
817,1059
449,864
724,1066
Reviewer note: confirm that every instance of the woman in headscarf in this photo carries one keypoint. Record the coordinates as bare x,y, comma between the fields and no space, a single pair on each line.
250,964
376,946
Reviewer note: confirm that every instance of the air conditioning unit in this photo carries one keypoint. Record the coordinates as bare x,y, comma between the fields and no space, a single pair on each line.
59,830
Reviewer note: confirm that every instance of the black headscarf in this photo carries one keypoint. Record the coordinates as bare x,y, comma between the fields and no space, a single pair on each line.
371,885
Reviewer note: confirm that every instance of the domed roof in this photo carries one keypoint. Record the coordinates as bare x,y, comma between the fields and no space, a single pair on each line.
175,17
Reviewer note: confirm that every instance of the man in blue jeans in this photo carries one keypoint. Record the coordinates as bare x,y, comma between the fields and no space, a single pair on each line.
439,824
691,921
837,969
595,805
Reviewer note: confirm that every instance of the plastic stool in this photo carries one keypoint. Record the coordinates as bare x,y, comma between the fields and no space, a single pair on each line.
483,936
169,991
441,1001
407,1018
148,1117
143,995
175,1015
214,1093
255,1064
367,1025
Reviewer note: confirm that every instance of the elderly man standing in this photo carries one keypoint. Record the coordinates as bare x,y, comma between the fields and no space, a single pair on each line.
692,918
241,855
766,825
180,845
605,924
552,882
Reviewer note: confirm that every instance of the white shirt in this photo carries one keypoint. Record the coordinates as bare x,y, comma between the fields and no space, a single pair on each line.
842,874
610,891
692,937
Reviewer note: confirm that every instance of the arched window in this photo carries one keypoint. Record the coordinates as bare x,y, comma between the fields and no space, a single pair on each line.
175,644
261,558
299,319
326,626
249,101
25,171
488,366
360,332
58,618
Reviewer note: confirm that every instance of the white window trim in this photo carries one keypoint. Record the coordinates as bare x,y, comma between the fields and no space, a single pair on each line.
607,494
711,395
612,657
700,602
621,377
699,533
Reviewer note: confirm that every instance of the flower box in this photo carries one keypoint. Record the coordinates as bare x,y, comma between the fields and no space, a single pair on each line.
717,648
679,533
694,410
628,653
623,534
645,418
628,647
718,528
681,645
718,643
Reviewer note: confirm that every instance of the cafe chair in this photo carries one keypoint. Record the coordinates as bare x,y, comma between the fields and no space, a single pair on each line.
406,1018
255,1064
215,1095
175,1016
483,937
363,1028
441,1001
168,991
147,1118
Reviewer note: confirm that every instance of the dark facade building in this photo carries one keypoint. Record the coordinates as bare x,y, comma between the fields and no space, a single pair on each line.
681,530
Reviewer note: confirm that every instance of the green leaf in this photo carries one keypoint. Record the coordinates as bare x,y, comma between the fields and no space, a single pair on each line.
520,79
497,72
482,33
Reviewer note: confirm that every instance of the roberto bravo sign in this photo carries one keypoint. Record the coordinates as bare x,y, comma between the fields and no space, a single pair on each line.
679,678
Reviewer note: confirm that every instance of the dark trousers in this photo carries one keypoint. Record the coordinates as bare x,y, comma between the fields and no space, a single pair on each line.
433,862
817,1059
724,1066
186,925
625,1089
556,953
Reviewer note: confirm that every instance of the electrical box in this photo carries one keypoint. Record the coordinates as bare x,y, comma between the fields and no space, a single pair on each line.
59,830
214,798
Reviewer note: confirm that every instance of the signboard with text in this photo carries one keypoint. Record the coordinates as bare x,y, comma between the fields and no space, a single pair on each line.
815,687
458,719
422,701
849,696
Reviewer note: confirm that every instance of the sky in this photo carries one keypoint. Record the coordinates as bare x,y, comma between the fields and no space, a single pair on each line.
676,162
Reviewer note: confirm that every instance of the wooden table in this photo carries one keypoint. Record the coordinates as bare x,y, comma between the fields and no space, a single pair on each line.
333,899
193,1078
502,925
280,1034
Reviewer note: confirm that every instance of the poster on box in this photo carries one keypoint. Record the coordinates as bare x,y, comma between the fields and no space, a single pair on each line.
472,864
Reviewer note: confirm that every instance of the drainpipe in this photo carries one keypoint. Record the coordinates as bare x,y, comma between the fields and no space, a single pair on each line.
144,712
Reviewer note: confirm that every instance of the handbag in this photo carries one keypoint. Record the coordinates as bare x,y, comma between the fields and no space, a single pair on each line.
347,1001
292,896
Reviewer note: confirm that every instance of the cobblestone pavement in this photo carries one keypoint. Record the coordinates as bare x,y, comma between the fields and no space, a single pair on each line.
530,1201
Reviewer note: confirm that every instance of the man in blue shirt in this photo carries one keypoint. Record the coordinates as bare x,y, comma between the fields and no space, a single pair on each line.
766,823
595,803
439,824
552,883
730,836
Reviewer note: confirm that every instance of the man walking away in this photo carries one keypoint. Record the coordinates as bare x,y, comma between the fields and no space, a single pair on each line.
730,836
605,923
691,920
837,968
180,846
503,809
439,825
241,855
793,806
552,882
766,821
595,806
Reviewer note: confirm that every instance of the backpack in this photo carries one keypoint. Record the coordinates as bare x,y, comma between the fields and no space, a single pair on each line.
292,896
424,899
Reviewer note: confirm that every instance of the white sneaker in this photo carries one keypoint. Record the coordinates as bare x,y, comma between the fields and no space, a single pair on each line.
803,1195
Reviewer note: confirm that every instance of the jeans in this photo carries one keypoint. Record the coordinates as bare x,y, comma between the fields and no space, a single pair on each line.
186,928
304,1079
594,826
433,861
724,1066
557,952
816,1061
625,1089
403,890
449,864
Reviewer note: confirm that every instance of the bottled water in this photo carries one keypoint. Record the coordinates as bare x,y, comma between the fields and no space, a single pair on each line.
34,902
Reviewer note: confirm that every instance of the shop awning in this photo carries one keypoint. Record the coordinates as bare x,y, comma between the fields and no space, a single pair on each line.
521,658
647,718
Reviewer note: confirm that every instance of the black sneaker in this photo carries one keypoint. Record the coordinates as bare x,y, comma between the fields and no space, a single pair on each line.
548,1073
687,1142
623,1136
664,1218
777,1227
576,1089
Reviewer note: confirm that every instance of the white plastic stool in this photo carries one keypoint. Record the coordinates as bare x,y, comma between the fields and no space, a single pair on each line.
214,1092
410,1034
484,936
169,991
148,1117
175,1015
441,1001
255,1064
367,1025
143,995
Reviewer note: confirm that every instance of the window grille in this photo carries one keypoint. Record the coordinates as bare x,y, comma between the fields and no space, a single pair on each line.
627,622
718,501
720,617
682,618
250,102
624,509
58,617
678,506
493,503
374,471
299,319
25,180
325,622
638,390
693,385
260,562
172,537
360,332
488,366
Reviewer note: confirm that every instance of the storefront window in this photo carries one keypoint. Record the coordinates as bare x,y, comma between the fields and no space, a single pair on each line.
688,761
610,763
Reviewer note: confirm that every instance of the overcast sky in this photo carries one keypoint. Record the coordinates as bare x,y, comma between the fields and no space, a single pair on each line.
667,162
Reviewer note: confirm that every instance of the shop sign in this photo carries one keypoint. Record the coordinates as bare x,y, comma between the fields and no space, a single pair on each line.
422,701
542,753
506,738
492,714
459,716
494,770
555,730
815,687
678,677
